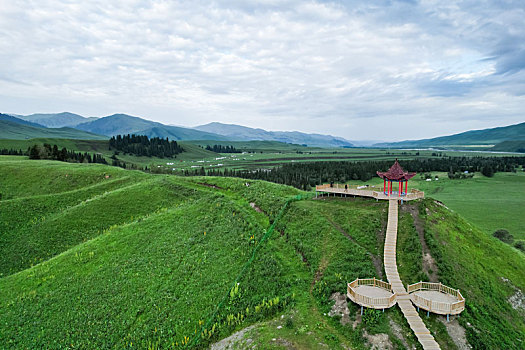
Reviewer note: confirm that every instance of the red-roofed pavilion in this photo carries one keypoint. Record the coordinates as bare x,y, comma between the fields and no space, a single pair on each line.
395,174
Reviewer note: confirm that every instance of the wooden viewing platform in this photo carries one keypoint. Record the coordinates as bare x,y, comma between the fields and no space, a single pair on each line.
432,297
437,298
371,293
371,192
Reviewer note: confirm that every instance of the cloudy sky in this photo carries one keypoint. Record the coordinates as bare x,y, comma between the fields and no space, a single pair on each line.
380,70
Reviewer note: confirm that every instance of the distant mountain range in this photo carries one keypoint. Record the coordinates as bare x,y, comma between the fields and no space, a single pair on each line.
19,129
120,124
14,119
243,133
56,120
491,136
60,125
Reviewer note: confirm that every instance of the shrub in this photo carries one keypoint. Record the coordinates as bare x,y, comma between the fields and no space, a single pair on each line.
504,236
520,245
371,317
289,323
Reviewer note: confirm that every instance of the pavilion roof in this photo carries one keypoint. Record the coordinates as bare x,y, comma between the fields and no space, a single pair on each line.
396,173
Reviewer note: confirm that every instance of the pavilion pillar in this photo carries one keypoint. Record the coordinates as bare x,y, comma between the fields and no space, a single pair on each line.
400,188
406,187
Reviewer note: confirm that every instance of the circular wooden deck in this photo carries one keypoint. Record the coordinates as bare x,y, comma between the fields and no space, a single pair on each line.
371,293
437,298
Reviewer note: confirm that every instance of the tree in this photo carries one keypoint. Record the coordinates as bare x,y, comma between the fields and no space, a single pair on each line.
34,152
488,170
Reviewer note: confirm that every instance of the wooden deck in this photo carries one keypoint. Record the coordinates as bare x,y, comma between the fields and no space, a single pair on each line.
371,192
437,298
371,293
403,299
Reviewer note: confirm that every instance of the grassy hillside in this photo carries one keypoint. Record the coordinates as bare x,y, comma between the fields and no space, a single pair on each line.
510,146
486,271
12,130
474,137
10,118
99,257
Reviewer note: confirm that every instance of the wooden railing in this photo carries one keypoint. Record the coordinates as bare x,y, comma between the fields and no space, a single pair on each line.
436,306
370,191
371,302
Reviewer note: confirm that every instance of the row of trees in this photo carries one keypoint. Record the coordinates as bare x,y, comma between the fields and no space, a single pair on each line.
222,149
141,145
306,175
12,152
46,151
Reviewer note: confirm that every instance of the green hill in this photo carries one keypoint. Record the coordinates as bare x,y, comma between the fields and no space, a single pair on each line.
510,146
94,256
17,131
10,118
56,120
475,137
121,124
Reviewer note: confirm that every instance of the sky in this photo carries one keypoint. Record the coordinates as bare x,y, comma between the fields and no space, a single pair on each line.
362,70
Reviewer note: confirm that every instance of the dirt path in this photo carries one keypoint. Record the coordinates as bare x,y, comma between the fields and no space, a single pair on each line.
429,264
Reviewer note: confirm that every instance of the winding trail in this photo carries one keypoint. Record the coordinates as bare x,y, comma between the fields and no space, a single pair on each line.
403,299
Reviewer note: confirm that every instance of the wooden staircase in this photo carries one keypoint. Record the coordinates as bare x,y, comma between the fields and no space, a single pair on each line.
403,299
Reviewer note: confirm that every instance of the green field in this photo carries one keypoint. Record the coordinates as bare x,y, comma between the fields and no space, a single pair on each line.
94,256
256,154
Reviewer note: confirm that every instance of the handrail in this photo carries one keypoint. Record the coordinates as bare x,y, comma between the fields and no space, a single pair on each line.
378,303
370,191
436,306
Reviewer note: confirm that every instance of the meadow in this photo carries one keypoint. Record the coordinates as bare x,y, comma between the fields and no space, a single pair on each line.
256,154
94,256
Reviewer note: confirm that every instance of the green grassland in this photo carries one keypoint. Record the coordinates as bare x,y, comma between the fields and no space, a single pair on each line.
257,154
94,256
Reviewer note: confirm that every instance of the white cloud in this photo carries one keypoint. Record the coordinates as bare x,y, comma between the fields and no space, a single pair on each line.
313,66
